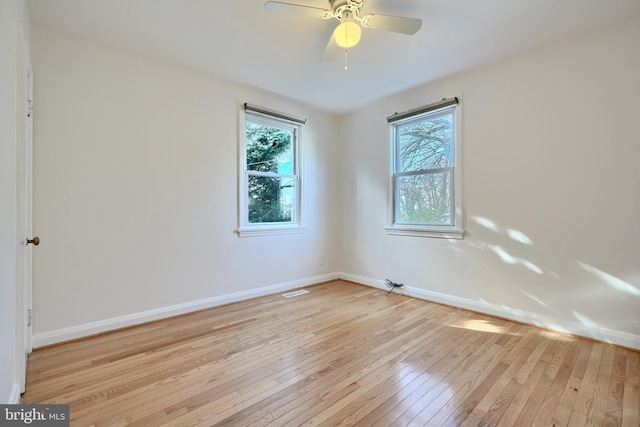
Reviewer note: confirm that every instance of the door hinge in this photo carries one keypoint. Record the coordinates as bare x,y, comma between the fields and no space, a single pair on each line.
29,317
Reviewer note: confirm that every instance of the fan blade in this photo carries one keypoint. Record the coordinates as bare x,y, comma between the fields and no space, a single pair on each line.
297,9
397,24
332,50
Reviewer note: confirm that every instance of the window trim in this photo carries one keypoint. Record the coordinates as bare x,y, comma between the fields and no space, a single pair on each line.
455,230
281,120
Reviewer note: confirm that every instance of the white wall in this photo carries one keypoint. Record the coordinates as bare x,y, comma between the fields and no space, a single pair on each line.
11,13
135,191
551,144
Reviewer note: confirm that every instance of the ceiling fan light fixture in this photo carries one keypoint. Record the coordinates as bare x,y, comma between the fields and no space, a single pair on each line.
347,34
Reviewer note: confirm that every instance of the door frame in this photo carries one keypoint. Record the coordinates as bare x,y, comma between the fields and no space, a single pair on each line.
24,310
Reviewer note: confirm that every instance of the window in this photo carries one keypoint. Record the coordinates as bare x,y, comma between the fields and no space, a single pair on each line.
270,182
426,174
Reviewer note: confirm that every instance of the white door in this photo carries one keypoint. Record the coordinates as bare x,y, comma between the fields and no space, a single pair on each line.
25,239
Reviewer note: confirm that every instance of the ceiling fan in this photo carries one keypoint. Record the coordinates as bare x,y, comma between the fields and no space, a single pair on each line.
347,33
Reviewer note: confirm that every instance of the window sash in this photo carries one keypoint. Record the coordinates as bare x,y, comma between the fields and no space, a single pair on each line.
450,188
452,227
274,124
283,178
286,123
424,171
272,174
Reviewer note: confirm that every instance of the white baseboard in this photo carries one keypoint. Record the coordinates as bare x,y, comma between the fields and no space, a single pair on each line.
74,332
557,324
14,398
562,325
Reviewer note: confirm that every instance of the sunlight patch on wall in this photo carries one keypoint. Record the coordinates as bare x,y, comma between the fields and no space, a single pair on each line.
531,266
516,235
585,320
509,259
485,222
610,280
504,256
536,299
519,236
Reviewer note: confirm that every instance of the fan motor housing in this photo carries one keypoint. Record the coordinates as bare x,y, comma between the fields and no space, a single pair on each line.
339,6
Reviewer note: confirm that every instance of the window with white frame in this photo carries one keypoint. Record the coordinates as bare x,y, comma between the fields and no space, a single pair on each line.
426,171
270,181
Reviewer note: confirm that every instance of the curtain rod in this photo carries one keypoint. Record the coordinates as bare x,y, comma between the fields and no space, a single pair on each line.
272,113
445,102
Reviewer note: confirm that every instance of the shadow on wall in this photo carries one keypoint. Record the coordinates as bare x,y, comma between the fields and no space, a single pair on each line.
560,295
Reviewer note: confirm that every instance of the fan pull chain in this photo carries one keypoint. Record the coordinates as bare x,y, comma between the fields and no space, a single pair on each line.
346,49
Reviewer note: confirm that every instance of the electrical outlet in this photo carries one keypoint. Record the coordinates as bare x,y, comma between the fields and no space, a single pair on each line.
321,261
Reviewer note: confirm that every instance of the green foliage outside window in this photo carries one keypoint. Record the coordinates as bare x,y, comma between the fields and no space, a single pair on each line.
269,156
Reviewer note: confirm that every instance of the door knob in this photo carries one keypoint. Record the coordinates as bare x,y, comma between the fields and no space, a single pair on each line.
35,241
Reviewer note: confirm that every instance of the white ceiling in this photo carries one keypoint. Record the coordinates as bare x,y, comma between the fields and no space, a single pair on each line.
237,41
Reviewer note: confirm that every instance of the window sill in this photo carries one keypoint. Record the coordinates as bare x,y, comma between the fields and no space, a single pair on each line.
269,231
417,231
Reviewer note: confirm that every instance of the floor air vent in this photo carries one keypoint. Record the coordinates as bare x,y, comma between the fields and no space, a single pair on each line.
295,293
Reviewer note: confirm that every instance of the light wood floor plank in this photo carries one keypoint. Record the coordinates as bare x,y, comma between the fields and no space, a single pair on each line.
567,399
513,361
613,414
584,399
440,359
631,399
529,383
549,387
341,355
596,416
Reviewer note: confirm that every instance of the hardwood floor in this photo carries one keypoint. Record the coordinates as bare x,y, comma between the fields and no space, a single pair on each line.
341,355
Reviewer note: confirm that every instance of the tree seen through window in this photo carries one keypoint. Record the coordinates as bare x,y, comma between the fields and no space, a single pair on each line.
270,168
424,167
